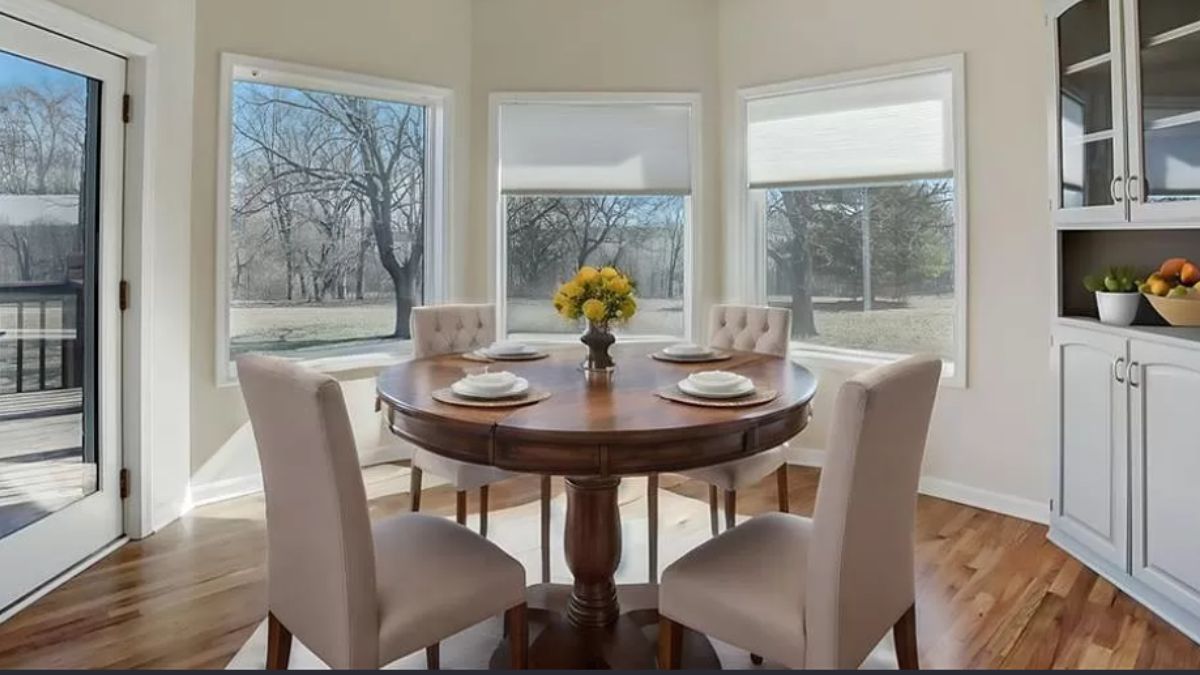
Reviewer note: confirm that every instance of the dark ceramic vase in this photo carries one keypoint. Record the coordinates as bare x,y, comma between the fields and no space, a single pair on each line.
598,339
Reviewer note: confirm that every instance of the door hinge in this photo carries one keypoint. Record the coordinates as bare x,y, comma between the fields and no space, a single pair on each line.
124,481
126,109
123,295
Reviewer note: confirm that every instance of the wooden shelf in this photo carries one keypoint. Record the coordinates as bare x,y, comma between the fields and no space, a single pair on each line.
1179,120
1171,35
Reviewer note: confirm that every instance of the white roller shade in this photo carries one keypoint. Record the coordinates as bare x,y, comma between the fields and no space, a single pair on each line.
882,130
595,148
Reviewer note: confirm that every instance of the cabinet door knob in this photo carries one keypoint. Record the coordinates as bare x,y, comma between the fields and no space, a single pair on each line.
1117,366
1114,189
1133,368
1134,189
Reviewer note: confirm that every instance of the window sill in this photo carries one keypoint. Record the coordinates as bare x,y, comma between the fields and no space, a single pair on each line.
851,361
342,361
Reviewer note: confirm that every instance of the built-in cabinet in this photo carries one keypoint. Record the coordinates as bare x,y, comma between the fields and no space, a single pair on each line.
1127,112
1127,479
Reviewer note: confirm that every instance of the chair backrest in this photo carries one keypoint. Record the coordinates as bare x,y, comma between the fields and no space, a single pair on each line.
449,329
860,566
765,330
320,553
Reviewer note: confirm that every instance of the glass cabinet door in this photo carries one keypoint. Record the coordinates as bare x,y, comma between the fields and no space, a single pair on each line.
1163,51
1091,148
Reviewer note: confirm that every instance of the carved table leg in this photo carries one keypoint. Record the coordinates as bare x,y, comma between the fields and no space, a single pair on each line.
593,550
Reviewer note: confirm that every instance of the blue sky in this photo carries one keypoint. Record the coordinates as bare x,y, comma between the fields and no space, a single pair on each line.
15,70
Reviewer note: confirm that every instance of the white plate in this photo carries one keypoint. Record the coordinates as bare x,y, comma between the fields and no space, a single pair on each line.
687,350
688,388
462,388
490,383
717,381
507,349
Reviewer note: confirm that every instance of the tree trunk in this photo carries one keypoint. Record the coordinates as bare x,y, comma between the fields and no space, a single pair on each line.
804,324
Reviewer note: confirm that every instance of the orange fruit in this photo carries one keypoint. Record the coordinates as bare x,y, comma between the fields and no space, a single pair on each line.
1171,268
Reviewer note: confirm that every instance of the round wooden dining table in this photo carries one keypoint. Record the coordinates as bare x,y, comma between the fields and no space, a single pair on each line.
592,431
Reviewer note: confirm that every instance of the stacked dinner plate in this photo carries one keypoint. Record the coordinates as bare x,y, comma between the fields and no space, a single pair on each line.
490,386
508,349
716,384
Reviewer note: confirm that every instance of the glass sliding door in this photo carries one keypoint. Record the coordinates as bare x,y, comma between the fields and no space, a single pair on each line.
61,153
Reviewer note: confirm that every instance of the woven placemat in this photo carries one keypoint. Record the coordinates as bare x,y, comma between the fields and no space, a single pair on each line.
716,356
532,396
759,397
483,358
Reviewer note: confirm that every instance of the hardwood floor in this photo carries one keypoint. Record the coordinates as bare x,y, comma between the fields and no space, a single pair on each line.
992,592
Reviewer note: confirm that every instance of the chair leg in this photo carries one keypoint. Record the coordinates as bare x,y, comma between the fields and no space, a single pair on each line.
652,516
414,489
279,644
460,507
518,636
755,659
433,657
781,477
670,644
545,529
905,635
730,509
712,509
483,511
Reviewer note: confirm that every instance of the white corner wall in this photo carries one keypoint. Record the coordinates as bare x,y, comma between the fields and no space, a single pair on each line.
989,443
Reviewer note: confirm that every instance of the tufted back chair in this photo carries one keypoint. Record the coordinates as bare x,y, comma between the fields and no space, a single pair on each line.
449,329
765,330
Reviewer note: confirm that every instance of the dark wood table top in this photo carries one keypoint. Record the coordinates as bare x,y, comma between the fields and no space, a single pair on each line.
596,428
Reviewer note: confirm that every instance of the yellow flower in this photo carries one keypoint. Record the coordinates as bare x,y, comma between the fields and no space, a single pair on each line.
594,310
609,272
628,308
587,274
619,285
571,289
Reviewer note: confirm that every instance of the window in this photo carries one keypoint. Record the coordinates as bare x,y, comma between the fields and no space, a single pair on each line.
856,190
332,210
595,181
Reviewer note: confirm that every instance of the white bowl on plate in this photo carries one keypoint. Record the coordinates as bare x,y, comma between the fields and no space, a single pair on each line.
745,388
687,349
508,348
470,387
490,383
717,381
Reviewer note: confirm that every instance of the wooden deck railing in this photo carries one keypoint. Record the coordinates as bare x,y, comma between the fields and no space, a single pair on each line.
34,331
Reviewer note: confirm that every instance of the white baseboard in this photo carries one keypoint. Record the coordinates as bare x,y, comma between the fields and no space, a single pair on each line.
200,494
1009,505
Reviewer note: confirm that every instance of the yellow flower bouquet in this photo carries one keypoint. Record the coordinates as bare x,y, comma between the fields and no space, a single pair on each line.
599,295
602,296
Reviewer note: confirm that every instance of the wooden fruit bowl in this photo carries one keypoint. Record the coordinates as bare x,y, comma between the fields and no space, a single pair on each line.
1176,311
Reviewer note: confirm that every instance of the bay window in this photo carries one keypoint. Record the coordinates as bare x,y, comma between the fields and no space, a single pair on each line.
856,196
597,180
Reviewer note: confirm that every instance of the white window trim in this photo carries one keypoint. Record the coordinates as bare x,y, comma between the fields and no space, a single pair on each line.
497,232
745,255
439,205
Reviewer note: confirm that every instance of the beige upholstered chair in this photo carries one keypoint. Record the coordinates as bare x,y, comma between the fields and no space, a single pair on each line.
450,329
766,330
359,595
821,593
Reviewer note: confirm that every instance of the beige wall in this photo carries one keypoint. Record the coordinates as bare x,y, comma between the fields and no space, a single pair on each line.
993,436
422,41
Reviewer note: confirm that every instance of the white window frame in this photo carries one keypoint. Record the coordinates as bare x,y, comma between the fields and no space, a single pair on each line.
745,261
439,102
497,227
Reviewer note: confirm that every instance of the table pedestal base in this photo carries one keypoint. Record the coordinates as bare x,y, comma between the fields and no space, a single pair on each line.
629,643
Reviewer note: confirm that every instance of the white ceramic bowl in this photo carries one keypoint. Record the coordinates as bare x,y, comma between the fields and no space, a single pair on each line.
686,349
509,348
490,384
717,381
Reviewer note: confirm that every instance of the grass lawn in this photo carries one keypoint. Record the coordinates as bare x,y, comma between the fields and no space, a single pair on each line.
922,324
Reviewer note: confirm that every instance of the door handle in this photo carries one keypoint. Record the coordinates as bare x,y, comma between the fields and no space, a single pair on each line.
1117,365
1113,191
1133,368
1134,189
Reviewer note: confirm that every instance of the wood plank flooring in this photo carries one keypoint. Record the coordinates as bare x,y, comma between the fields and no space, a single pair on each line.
992,592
